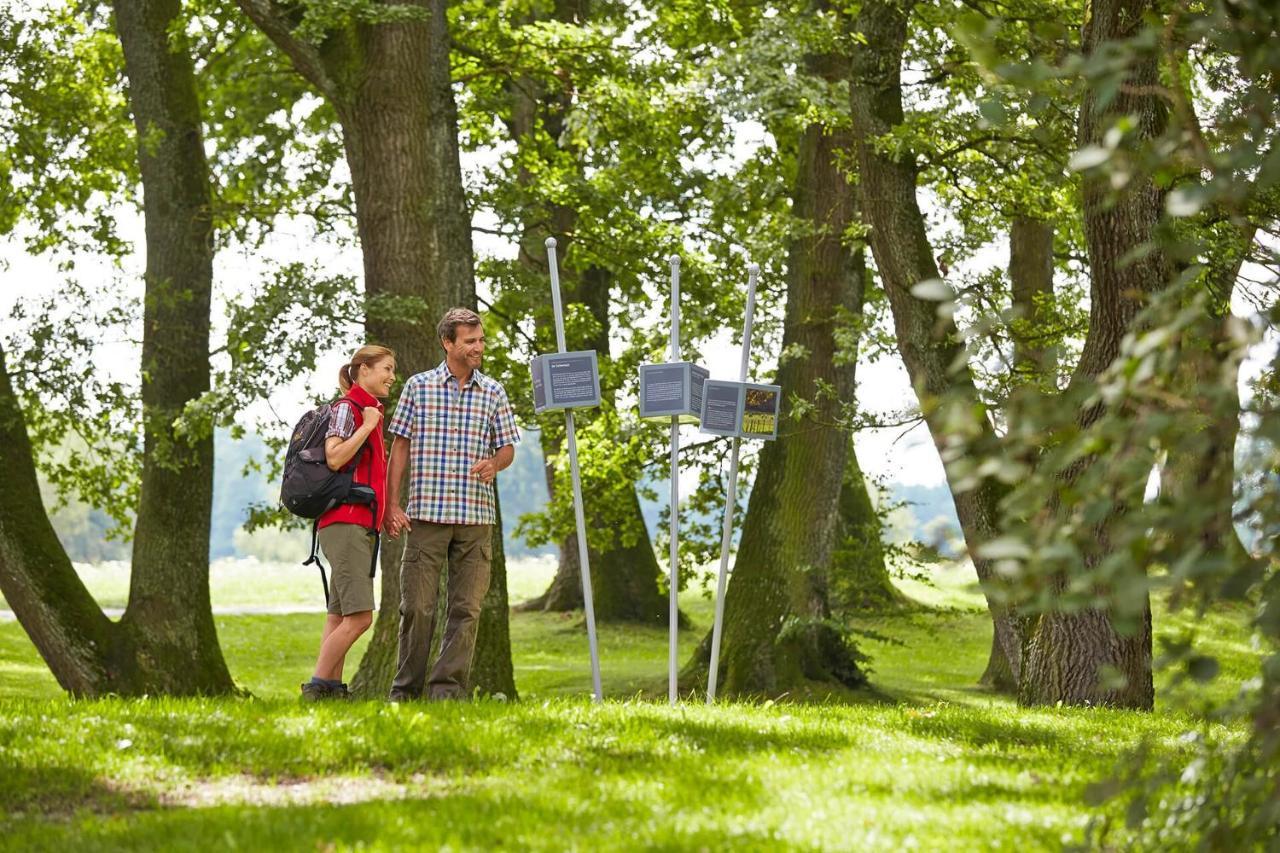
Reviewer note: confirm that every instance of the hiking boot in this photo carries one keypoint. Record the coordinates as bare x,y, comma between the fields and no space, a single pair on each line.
398,696
313,692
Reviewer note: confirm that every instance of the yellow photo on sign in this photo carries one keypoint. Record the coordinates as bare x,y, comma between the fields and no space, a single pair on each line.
760,411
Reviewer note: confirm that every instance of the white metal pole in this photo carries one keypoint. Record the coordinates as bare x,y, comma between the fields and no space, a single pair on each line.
674,614
753,274
583,560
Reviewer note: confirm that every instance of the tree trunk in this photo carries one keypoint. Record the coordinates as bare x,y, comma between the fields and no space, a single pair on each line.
1031,277
565,590
1203,474
391,87
81,646
1067,653
1034,367
777,630
929,343
624,578
860,579
166,642
491,670
169,615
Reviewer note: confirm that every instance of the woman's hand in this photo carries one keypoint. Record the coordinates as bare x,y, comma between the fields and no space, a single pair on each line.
396,521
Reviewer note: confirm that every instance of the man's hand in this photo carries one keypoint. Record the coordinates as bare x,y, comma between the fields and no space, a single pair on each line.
485,470
396,521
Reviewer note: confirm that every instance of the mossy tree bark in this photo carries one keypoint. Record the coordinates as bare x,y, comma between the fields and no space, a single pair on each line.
390,85
929,344
84,650
169,615
778,633
166,642
1067,652
859,574
624,574
491,669
1034,364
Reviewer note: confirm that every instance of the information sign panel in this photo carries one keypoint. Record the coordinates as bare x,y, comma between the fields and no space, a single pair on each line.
670,390
741,409
565,380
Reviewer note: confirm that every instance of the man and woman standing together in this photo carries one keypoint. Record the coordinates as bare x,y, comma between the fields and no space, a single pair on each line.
454,430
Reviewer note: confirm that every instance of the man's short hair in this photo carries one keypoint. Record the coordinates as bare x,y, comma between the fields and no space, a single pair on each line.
447,328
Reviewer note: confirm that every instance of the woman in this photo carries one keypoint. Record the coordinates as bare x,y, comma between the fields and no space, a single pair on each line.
347,532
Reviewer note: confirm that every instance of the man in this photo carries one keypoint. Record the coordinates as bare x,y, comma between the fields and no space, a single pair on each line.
455,430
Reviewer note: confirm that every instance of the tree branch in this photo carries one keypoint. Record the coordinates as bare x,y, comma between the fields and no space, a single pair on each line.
269,17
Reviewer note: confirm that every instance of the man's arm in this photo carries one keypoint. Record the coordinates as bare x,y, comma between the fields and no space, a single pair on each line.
397,462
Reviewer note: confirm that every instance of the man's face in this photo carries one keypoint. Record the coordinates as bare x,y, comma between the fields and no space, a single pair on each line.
467,346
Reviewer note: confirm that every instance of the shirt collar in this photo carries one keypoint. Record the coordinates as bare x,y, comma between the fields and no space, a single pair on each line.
446,374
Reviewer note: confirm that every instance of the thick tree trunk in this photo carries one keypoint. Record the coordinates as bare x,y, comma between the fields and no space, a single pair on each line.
391,87
777,630
624,578
169,615
928,343
166,642
80,645
1067,653
491,670
859,576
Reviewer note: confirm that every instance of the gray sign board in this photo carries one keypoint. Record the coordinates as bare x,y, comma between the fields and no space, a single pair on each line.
565,380
673,389
721,407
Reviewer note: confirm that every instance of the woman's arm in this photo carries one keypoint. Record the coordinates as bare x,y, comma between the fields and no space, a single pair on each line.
340,451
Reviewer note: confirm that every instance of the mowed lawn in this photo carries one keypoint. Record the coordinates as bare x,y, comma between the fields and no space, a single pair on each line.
925,760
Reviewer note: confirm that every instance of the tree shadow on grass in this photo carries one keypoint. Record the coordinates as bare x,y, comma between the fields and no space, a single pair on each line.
694,805
59,790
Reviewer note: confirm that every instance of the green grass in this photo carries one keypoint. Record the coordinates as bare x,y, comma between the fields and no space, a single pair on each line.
927,761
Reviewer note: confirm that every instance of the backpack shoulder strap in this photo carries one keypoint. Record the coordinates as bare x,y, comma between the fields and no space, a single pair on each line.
355,408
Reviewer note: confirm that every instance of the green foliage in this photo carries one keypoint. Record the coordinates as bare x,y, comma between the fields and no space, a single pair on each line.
1086,454
82,420
67,155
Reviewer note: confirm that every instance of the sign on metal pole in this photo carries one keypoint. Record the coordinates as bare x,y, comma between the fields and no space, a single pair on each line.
564,381
673,390
712,408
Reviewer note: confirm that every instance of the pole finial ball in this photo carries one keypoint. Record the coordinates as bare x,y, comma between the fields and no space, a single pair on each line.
550,242
674,259
753,269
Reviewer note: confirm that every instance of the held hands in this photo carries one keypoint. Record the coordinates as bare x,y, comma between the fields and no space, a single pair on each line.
396,521
485,470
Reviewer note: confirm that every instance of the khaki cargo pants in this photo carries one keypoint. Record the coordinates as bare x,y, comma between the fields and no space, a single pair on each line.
467,548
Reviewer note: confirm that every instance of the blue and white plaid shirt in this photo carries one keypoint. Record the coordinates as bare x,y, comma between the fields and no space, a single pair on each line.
450,429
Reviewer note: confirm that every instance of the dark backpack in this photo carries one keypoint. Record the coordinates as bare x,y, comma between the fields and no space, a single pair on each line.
310,488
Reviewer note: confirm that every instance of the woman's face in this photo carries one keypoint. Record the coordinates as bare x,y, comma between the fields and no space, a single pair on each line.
378,377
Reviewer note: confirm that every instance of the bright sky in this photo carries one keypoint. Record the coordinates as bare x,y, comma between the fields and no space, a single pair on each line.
896,454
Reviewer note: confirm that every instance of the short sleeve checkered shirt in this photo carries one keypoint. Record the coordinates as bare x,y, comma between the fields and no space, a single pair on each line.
342,421
450,429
